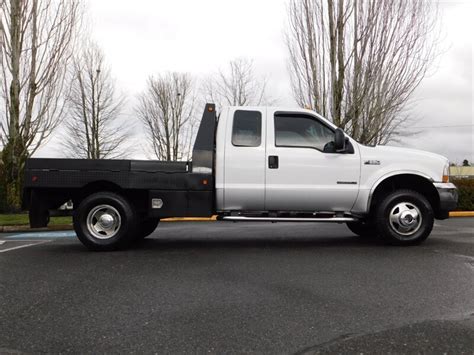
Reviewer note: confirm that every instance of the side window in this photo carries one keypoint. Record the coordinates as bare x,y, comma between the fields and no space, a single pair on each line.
247,129
296,130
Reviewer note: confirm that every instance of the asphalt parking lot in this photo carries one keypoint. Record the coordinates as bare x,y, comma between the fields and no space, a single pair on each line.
220,287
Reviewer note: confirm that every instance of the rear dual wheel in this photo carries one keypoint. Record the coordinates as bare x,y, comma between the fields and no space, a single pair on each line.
363,229
147,227
105,221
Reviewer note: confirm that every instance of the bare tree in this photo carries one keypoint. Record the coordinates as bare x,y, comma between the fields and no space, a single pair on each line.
36,44
357,62
93,128
239,86
166,109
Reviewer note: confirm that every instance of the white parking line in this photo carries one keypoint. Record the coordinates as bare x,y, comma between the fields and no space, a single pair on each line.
24,246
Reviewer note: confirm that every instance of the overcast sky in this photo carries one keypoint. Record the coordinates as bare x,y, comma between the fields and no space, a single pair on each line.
144,37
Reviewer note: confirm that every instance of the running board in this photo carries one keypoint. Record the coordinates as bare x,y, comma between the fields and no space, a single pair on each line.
287,219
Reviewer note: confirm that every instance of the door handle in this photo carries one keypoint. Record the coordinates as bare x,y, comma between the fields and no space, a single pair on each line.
273,162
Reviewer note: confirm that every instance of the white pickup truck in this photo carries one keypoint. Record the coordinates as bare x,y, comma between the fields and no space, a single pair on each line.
251,164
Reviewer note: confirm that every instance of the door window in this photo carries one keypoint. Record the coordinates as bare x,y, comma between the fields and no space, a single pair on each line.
247,128
296,130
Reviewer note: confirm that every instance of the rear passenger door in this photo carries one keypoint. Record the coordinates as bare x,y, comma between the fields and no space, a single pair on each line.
244,171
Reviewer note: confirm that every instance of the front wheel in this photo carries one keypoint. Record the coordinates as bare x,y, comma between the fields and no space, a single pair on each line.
404,217
105,221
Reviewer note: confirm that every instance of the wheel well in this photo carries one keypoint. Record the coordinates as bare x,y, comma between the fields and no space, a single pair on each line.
97,186
406,181
138,198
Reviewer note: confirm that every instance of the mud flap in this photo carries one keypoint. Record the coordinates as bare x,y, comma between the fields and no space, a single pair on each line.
38,212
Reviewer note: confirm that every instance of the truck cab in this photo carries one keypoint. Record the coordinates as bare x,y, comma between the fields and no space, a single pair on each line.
270,159
251,164
274,159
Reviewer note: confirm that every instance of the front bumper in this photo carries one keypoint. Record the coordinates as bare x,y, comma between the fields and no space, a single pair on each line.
448,199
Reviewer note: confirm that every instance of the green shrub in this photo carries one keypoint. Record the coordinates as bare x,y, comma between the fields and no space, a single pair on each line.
3,206
466,194
3,197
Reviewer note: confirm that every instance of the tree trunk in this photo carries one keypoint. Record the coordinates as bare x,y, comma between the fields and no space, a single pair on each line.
14,153
14,158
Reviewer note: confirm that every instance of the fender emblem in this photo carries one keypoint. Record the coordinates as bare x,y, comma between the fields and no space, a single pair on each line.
372,162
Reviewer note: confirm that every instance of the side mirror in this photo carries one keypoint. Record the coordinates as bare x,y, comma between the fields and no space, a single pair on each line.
339,140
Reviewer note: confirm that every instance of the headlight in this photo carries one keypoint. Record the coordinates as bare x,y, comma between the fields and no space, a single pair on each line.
446,173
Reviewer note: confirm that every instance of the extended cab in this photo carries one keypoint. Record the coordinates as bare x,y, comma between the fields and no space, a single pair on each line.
250,164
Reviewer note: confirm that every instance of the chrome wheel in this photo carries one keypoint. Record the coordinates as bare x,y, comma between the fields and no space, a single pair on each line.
405,219
103,221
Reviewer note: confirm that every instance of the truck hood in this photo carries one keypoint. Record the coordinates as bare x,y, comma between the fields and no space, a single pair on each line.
404,159
386,151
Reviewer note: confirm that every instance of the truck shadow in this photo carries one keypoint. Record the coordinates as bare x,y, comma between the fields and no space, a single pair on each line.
259,242
231,243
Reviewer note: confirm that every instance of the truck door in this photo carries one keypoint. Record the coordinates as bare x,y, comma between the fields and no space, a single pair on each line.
299,175
244,171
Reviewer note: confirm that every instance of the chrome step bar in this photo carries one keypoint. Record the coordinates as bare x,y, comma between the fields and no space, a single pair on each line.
287,219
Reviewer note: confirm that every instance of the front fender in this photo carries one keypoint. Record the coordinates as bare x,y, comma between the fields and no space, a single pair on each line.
364,199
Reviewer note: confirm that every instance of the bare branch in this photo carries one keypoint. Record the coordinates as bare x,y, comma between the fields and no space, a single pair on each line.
238,86
166,109
37,40
93,124
357,62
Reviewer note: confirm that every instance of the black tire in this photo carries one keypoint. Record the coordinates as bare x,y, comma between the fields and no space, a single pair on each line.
362,229
123,229
146,228
395,229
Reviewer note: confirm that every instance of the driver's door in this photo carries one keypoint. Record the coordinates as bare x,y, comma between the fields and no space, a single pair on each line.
299,175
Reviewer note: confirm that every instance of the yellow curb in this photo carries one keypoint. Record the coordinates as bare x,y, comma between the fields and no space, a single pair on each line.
189,219
461,214
213,218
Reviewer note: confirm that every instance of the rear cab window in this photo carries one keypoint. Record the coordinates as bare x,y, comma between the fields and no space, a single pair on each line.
247,128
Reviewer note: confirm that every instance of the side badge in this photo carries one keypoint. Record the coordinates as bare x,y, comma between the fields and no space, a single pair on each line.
372,162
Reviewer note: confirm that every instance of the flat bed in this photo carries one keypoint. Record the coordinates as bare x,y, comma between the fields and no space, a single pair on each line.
156,189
